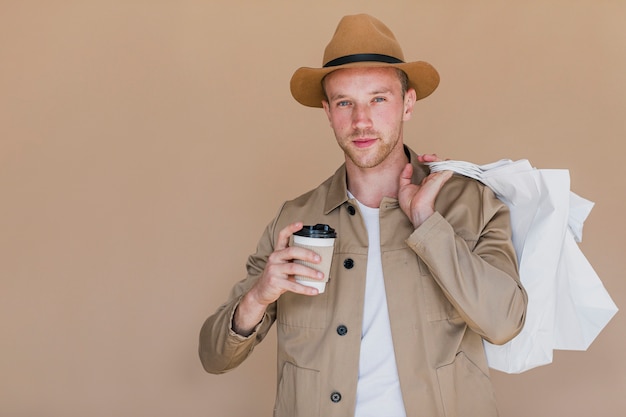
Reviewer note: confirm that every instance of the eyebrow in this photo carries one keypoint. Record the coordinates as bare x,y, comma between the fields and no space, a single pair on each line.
372,93
381,91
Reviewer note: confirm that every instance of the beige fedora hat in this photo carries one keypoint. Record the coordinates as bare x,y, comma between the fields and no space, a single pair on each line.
361,41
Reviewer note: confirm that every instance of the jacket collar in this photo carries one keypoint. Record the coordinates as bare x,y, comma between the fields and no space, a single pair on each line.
338,188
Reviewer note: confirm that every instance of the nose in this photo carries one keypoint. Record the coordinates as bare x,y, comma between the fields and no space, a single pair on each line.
361,117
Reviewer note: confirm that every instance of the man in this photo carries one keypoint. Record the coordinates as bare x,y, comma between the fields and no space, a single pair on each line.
423,267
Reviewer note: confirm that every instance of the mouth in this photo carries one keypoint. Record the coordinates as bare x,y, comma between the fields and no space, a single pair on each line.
363,142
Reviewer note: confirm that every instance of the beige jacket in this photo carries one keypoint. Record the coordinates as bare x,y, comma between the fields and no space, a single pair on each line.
450,283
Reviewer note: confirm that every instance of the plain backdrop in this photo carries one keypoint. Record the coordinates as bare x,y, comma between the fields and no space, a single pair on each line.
144,146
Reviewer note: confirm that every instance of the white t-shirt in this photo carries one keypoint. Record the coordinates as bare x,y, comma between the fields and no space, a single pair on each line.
378,389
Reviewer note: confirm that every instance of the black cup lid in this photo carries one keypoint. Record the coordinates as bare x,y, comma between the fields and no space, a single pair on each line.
317,231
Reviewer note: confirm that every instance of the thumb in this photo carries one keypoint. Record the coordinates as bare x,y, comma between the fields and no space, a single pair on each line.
406,175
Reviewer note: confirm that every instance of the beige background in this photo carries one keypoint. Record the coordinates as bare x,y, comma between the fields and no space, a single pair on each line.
145,144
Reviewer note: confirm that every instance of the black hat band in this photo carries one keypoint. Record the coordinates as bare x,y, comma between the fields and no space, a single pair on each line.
349,59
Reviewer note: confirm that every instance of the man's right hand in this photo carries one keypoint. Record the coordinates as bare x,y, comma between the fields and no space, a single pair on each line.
277,278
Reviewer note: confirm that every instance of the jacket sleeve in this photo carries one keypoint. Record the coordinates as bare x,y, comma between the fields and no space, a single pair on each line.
220,348
476,271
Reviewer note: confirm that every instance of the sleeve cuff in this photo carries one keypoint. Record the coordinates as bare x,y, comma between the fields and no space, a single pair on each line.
420,236
236,335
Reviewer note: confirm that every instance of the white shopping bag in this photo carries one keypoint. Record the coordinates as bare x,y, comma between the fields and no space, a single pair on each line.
538,265
584,306
567,304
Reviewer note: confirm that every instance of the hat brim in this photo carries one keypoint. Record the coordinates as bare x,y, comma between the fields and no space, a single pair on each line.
306,83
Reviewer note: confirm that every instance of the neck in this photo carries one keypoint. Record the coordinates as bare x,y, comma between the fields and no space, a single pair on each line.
371,185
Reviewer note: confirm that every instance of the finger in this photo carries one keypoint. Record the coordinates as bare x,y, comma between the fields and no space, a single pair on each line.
284,234
428,157
445,176
302,254
406,175
438,179
295,268
285,256
279,260
278,273
298,288
279,278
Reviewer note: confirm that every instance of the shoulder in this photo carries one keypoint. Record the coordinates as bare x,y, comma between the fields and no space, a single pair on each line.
463,197
460,187
314,195
315,205
325,197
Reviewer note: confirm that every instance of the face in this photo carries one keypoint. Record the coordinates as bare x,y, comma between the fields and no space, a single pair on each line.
366,108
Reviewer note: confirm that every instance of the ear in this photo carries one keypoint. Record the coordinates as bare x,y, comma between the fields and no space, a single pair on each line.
410,97
326,107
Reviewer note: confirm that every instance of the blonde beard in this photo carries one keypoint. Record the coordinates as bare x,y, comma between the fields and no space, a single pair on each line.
385,149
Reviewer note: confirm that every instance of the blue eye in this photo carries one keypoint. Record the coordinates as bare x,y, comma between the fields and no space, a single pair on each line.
343,103
379,99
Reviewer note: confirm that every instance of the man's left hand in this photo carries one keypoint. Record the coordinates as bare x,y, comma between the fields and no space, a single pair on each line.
418,201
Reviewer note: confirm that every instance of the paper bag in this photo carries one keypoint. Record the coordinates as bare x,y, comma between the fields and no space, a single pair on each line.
567,304
538,265
583,306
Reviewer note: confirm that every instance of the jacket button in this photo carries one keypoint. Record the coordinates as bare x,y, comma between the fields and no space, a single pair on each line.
348,263
351,210
342,330
335,397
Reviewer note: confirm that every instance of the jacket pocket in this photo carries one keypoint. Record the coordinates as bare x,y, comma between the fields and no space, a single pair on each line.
303,311
465,390
298,392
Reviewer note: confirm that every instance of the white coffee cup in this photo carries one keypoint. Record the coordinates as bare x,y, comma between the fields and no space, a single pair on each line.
321,240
